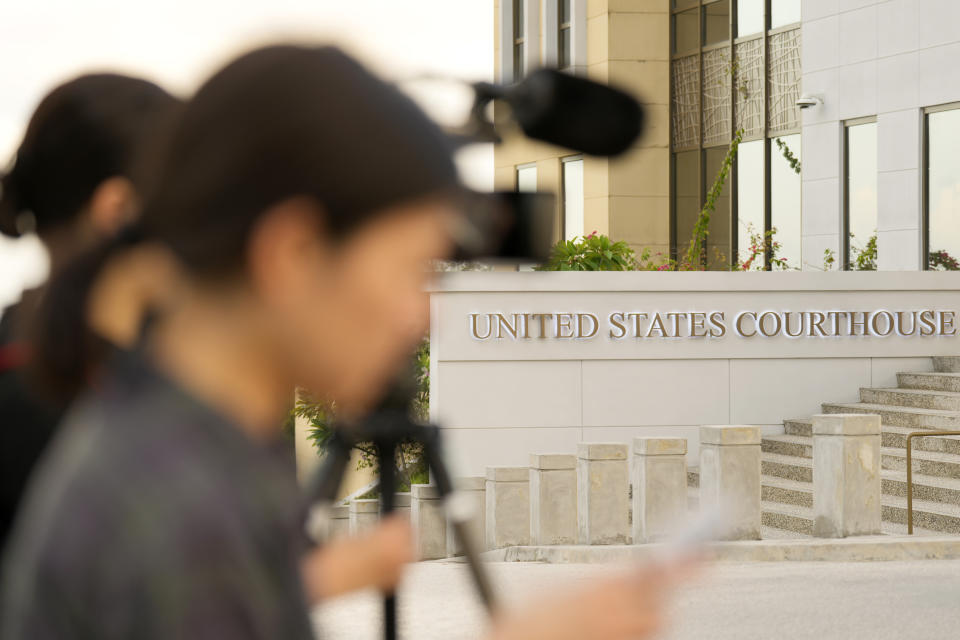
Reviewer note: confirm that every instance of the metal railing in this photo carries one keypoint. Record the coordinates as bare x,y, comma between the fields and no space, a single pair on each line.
910,437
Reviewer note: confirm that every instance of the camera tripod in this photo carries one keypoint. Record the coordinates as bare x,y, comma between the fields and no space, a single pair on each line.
387,430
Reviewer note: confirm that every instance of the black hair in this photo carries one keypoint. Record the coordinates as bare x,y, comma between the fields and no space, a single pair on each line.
83,132
278,123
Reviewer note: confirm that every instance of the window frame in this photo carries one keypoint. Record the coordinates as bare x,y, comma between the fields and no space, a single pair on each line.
563,191
518,41
925,177
844,189
766,134
561,27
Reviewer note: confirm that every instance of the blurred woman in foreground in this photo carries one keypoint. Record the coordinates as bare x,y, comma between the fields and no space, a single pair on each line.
76,179
302,199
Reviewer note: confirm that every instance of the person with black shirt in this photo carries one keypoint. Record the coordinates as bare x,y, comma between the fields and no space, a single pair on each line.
302,200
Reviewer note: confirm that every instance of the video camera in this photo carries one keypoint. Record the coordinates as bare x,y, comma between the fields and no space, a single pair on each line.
550,106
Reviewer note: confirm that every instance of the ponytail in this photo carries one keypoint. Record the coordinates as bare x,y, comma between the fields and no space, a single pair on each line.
66,352
10,206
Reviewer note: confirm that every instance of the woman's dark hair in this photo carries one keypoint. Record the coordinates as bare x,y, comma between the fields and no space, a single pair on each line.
83,132
278,123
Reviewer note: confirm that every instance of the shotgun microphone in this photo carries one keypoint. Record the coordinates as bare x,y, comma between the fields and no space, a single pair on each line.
564,110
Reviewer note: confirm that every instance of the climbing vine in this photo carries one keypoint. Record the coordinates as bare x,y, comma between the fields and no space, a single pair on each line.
791,159
702,227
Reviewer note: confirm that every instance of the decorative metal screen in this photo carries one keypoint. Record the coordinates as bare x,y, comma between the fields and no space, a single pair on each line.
716,96
686,102
748,76
784,78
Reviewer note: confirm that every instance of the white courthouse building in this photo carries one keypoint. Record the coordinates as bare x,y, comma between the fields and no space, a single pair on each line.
879,80
535,363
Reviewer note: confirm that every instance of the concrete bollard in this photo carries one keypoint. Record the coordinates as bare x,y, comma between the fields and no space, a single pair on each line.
429,522
846,475
402,502
659,487
730,477
364,515
470,497
508,507
602,493
553,499
339,521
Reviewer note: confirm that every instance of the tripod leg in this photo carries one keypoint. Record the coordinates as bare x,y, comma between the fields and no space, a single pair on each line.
386,455
440,474
325,485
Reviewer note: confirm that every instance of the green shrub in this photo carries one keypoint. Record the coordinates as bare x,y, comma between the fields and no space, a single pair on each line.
595,252
410,464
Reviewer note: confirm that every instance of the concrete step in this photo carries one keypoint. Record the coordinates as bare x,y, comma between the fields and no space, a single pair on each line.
788,445
929,381
793,444
784,491
798,427
929,519
935,516
897,437
946,364
928,463
787,505
787,467
787,517
916,398
931,488
900,416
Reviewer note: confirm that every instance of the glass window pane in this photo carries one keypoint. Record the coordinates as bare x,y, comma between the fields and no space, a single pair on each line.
572,199
861,191
718,242
687,197
749,17
785,199
518,16
527,179
686,34
563,53
943,187
750,219
517,62
683,4
784,12
564,11
716,22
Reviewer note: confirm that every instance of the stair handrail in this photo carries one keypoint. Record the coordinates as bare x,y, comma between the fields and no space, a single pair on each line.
910,437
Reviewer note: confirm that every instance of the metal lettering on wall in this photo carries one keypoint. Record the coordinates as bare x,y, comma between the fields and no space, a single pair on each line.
621,325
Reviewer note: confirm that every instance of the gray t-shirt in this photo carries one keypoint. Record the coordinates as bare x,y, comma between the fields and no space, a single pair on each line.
152,517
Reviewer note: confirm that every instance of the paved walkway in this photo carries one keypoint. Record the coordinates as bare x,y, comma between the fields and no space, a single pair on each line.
919,600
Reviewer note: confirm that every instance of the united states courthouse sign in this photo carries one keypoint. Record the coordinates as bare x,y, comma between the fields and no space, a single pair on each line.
534,362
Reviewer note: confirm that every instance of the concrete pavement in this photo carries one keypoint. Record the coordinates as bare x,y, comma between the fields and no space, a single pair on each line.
917,599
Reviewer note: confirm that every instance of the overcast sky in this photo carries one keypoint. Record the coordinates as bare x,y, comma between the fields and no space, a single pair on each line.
179,42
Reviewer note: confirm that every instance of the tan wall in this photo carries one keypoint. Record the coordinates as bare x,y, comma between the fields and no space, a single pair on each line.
627,197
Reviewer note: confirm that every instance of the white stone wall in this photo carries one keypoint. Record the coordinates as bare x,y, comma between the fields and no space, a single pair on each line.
501,401
888,59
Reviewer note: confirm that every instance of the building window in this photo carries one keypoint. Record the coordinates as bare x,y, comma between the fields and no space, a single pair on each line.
784,12
527,178
942,185
572,197
716,22
732,71
518,40
785,192
564,41
750,205
750,17
860,187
